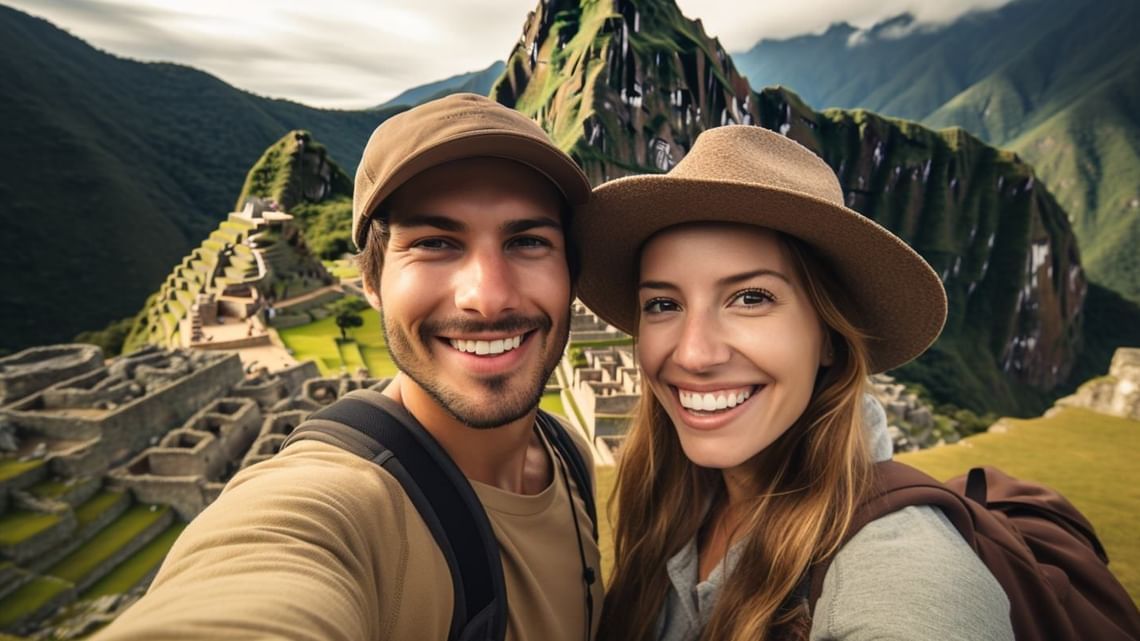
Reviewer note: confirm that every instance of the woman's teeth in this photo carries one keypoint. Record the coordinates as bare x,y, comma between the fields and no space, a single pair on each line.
713,401
484,348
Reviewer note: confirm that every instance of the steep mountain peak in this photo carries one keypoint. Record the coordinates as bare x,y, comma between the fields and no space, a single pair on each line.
294,170
255,258
623,86
627,86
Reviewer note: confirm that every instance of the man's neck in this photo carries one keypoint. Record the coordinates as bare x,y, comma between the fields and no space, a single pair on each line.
510,457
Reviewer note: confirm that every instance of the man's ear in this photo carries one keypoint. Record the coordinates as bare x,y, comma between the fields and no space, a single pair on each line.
372,296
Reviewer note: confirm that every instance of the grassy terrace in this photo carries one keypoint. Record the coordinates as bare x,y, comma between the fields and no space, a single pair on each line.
97,505
18,526
77,565
11,468
128,573
29,598
318,341
1088,457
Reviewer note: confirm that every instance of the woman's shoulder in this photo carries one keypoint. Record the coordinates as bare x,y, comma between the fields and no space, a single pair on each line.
910,575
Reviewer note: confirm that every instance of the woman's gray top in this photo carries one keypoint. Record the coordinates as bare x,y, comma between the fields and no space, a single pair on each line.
907,576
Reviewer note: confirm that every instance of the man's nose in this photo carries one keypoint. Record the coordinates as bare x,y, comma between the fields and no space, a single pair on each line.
487,284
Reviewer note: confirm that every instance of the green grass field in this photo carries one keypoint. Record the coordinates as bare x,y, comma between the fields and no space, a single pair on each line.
1088,457
342,268
317,341
552,402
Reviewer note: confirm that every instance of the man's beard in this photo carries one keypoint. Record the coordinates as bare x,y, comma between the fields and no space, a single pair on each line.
504,407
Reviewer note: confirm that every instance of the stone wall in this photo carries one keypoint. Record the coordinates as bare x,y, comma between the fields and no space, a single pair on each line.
132,427
35,368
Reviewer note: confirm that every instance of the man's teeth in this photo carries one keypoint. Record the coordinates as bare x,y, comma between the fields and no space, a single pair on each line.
713,401
483,348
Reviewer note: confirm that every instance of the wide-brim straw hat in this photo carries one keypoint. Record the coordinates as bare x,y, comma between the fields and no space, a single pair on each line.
750,175
458,126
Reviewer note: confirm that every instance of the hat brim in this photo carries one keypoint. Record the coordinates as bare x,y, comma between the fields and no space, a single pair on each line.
537,154
900,301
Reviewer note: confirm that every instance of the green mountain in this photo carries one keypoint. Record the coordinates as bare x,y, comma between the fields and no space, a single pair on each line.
626,87
1054,81
114,169
479,82
260,254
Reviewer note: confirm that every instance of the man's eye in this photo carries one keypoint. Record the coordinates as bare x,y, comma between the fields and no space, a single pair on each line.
660,305
753,297
529,242
432,244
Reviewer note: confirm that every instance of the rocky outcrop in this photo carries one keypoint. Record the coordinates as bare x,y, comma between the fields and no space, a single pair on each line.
1118,393
625,86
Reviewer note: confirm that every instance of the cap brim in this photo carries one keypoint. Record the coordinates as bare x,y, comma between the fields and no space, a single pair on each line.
901,303
537,154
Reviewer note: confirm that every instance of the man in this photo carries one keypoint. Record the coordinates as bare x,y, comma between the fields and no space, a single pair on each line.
459,211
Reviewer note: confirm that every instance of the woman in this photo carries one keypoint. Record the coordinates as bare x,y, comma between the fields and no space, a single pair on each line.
760,304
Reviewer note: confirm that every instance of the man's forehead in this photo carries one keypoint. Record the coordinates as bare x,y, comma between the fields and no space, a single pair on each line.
412,218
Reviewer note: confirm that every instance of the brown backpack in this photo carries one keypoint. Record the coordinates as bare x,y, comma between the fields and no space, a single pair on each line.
1039,547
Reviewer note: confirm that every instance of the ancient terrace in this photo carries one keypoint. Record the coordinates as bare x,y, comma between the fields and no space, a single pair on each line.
101,465
224,294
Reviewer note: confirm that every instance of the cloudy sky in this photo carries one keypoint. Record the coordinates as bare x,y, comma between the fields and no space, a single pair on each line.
358,53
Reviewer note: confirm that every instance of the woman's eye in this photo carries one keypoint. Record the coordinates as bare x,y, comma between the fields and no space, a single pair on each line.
659,305
753,297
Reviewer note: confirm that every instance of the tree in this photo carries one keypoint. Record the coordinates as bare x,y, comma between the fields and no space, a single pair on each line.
347,319
347,312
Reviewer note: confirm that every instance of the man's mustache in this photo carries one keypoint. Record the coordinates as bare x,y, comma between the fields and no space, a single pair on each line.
505,325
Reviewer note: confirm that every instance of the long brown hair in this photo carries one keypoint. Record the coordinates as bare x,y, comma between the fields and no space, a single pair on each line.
811,478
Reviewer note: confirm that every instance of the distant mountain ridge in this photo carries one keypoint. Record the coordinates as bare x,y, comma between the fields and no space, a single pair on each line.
1053,80
114,169
627,86
479,82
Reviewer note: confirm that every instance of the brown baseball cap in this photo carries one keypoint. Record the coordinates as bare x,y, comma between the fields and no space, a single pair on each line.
458,126
745,174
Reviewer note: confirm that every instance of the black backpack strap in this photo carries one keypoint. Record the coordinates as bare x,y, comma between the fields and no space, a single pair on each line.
565,448
447,503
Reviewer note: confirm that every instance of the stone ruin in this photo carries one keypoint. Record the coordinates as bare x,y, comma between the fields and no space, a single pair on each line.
101,462
1118,393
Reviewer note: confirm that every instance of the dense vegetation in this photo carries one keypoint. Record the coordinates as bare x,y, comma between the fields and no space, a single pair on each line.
114,169
1053,80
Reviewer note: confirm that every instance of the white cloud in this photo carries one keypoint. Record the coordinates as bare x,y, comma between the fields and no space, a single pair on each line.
358,53
740,25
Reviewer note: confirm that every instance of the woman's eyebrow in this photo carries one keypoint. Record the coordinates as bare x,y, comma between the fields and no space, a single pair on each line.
721,282
741,277
655,284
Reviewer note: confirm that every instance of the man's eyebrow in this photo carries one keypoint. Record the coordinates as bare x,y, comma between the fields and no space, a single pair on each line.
428,220
727,280
527,224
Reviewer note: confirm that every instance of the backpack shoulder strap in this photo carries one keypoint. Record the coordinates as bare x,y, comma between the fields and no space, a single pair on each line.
897,486
568,451
442,496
